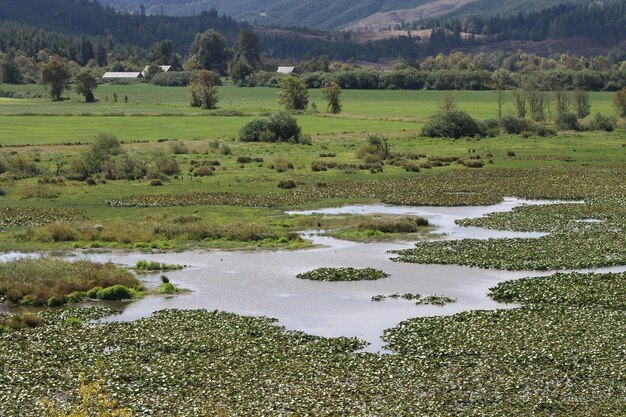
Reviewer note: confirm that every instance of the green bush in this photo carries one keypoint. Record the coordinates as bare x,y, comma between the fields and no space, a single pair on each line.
452,124
601,122
173,78
514,125
567,121
115,293
76,296
278,127
286,184
93,293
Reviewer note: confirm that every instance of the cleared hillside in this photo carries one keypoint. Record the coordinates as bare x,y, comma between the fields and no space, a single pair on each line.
336,14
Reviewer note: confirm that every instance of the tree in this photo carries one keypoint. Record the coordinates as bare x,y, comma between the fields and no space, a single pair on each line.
85,84
151,71
501,79
293,93
619,102
562,102
203,90
332,93
10,72
582,103
519,101
247,46
448,102
163,53
240,70
55,74
209,49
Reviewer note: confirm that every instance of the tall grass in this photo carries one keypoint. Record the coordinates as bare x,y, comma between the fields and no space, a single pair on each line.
36,281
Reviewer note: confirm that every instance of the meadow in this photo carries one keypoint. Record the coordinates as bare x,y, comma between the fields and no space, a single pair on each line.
39,121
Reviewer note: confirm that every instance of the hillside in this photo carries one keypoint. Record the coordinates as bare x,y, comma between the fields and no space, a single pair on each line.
84,17
336,14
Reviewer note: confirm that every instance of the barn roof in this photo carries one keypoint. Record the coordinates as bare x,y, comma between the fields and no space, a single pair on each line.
122,75
285,70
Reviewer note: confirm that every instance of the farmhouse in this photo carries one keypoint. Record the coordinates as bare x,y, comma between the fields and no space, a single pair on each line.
122,75
285,70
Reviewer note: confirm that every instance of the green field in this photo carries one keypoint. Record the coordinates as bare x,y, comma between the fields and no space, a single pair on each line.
41,121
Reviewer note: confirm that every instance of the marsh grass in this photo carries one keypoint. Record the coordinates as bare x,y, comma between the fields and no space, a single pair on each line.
37,281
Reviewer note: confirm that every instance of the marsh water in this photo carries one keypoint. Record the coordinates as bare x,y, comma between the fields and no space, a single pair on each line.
263,283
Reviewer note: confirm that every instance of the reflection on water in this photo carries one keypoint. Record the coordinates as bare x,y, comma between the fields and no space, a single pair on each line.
264,283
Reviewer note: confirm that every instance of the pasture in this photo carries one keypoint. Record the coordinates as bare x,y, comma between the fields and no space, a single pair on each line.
38,121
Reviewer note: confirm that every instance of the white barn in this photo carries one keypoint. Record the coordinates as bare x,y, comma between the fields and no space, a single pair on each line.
285,70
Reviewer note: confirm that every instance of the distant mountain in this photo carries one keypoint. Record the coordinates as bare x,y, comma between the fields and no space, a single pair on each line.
337,14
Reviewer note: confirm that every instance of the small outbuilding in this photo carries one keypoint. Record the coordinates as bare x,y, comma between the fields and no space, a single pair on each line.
285,70
122,75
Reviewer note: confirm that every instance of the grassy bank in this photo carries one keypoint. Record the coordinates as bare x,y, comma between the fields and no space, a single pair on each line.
52,282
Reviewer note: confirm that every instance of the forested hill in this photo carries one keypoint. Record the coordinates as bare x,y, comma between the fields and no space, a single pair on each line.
336,14
85,17
602,23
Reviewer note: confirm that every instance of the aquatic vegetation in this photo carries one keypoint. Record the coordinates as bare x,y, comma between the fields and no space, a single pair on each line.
556,251
343,274
37,216
152,266
438,300
50,281
441,188
573,289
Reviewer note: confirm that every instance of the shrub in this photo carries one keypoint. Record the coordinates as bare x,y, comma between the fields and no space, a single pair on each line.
226,150
452,124
173,78
167,288
76,296
567,121
93,293
244,159
279,127
115,293
473,163
514,125
619,102
286,184
601,122
282,165
203,171
178,148
156,182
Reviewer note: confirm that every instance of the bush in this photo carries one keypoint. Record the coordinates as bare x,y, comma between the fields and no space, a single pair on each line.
601,122
282,165
473,163
513,125
286,184
115,293
452,124
567,121
279,127
156,182
173,78
203,171
178,148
